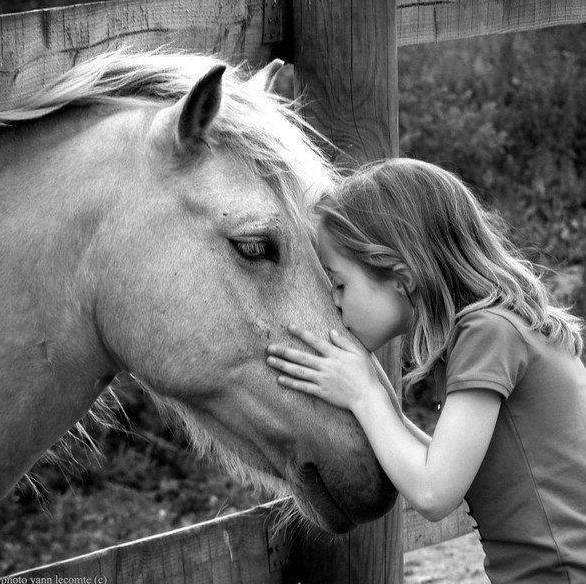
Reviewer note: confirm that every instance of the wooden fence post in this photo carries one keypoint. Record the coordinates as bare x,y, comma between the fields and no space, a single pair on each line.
345,56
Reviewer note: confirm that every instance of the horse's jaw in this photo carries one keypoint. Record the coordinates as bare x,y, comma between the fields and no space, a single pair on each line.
315,501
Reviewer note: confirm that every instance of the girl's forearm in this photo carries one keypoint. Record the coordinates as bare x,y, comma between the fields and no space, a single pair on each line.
417,432
403,454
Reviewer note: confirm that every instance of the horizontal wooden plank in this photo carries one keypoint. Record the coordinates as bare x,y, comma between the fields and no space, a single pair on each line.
234,548
222,551
37,46
426,21
419,532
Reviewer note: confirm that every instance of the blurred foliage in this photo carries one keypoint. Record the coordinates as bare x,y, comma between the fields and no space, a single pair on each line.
507,113
149,481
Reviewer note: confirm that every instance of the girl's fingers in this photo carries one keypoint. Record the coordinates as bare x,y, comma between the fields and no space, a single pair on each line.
304,386
294,355
292,369
310,339
342,342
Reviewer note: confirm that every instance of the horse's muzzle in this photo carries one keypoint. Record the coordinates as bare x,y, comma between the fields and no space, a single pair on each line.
333,513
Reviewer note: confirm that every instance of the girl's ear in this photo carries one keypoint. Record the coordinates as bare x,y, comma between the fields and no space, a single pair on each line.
405,276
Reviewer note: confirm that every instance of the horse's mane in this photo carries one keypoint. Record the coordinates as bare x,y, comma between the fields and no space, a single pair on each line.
258,126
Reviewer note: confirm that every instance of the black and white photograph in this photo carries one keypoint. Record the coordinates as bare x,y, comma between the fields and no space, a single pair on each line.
292,292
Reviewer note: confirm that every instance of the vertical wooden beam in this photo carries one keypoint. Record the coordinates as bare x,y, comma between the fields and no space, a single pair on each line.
345,56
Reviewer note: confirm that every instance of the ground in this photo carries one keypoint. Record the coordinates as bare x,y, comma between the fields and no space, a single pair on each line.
458,561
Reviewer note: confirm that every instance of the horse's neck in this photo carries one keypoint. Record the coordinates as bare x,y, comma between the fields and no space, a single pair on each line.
54,193
39,158
49,217
50,353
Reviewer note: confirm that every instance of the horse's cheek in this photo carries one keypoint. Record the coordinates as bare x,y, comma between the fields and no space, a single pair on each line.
177,326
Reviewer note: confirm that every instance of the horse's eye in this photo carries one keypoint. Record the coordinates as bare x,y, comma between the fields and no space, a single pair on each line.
256,250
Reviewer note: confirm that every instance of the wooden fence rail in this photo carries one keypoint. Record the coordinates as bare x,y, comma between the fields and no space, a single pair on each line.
424,22
241,547
37,46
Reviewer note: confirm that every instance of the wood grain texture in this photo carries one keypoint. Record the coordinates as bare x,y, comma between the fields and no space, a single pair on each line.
346,67
422,21
235,549
229,550
345,61
419,533
390,358
367,555
37,46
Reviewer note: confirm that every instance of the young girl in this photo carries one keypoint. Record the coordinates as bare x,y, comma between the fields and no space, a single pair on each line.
410,252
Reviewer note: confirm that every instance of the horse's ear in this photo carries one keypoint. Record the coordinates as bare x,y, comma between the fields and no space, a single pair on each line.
271,78
198,109
283,82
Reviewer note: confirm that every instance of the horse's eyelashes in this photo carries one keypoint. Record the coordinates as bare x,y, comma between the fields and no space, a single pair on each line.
257,250
252,249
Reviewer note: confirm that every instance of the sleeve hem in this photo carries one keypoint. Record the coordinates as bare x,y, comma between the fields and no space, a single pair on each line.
479,384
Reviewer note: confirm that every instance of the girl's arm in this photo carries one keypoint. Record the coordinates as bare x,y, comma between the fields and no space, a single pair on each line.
434,478
416,432
432,474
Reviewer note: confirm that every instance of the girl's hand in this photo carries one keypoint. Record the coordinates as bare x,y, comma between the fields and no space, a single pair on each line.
342,372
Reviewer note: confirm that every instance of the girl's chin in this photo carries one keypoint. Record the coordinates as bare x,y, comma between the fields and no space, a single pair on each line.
365,342
369,344
373,346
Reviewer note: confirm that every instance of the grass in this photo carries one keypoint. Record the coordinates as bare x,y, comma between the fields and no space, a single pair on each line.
142,488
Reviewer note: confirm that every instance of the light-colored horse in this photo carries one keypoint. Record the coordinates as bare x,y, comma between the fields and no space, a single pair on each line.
153,221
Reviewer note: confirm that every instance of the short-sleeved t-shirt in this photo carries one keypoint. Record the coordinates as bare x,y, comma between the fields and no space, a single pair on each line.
529,496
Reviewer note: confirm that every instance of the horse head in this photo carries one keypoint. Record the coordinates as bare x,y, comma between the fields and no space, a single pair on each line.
198,254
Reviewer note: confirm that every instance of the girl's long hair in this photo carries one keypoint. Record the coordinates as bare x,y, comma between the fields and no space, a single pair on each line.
412,212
